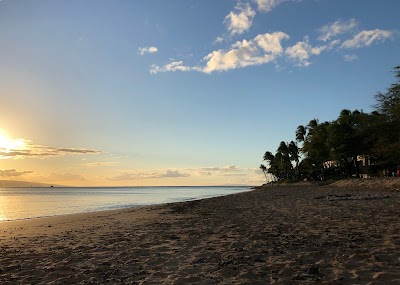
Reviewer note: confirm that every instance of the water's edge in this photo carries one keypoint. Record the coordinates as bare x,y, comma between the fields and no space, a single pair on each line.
169,197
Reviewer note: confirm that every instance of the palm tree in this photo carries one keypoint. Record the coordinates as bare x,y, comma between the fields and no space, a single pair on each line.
273,162
300,133
294,155
264,170
268,156
283,153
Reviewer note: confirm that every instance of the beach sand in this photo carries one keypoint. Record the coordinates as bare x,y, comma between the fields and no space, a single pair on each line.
300,234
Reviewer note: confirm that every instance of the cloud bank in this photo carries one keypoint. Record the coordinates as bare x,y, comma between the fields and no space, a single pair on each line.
66,177
230,174
260,50
149,175
13,173
268,47
29,150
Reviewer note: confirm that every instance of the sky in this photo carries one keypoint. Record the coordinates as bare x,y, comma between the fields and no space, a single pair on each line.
179,92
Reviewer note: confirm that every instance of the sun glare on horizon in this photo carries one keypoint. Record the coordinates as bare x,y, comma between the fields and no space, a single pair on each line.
7,144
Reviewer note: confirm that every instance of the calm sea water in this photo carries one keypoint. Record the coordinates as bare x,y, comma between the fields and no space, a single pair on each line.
27,203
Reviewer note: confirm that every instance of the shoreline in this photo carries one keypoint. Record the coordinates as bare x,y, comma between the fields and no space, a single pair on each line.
72,214
272,235
103,205
72,217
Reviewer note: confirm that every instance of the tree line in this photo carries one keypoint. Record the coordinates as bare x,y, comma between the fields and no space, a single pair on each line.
356,142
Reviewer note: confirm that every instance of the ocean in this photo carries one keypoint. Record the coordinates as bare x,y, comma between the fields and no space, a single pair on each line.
29,203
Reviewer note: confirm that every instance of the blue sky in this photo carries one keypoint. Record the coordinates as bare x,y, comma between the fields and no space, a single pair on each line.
179,92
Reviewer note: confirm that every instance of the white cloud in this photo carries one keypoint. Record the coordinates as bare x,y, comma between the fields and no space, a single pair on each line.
350,57
271,43
299,52
240,21
333,43
262,49
172,66
302,51
144,50
337,28
268,5
366,38
219,40
149,175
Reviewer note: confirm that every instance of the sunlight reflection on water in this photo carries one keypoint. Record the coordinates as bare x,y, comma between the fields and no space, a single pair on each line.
3,208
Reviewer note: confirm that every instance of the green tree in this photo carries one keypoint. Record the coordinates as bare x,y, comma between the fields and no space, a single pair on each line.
315,144
345,141
273,163
388,103
387,147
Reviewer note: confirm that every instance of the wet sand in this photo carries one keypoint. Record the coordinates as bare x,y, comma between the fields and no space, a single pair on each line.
273,235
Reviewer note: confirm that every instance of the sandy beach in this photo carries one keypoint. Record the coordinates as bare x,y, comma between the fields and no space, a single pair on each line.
301,234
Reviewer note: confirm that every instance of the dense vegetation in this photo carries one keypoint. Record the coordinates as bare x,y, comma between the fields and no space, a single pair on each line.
354,143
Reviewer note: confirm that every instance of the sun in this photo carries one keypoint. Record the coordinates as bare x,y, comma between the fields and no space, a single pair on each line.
7,144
